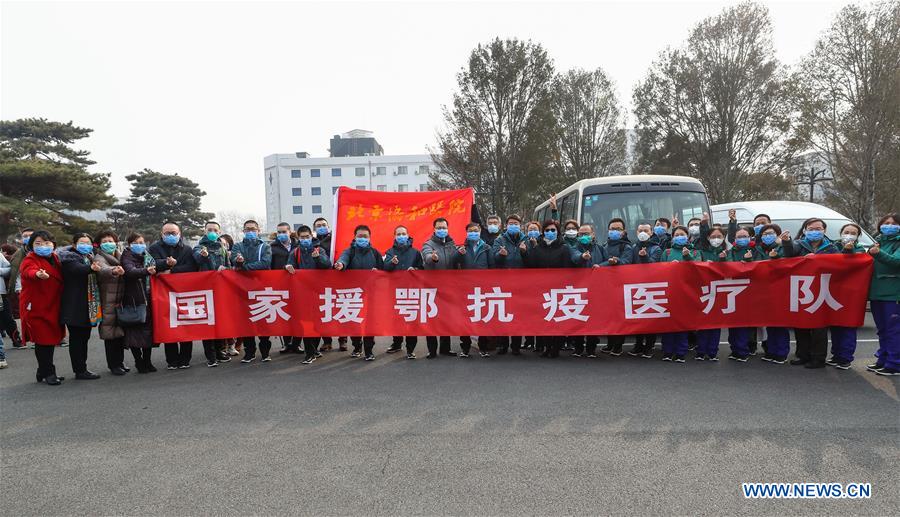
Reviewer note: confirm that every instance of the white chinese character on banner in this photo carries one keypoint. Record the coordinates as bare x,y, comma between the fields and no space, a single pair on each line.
731,287
644,301
567,301
348,302
192,308
801,293
494,302
269,305
415,304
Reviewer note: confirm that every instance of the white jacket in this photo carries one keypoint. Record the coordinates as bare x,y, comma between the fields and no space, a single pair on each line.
5,270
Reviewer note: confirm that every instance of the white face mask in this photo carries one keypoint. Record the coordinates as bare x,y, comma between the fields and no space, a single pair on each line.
643,236
716,242
848,237
694,230
571,233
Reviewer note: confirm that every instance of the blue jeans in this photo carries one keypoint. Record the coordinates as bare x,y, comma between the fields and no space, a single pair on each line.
2,353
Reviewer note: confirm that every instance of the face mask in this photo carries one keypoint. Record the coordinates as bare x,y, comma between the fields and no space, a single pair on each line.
25,240
84,249
171,240
615,235
848,237
108,247
305,243
212,236
322,231
513,229
890,229
814,235
401,239
43,251
533,234
659,230
571,233
742,241
680,240
694,230
769,239
493,228
250,236
362,242
585,239
550,235
758,228
643,236
715,243
441,233
473,236
138,248
283,237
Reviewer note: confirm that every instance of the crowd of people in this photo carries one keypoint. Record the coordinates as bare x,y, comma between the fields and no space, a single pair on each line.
62,291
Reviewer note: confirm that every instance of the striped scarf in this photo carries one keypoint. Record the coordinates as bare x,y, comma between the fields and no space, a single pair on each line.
148,261
95,309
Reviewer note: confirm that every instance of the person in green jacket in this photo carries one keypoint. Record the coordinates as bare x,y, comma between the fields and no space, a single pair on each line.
884,295
711,244
843,339
776,340
675,344
739,338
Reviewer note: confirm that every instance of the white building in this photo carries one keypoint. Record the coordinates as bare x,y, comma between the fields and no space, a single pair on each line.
300,189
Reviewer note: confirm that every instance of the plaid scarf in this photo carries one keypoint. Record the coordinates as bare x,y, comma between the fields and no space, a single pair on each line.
95,309
148,261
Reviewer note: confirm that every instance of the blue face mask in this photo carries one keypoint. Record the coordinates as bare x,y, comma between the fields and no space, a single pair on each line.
615,235
250,236
769,239
212,236
659,230
362,242
493,228
550,235
473,236
513,229
322,231
84,249
25,240
138,248
890,229
534,234
283,237
402,240
171,240
43,251
813,235
441,233
680,240
305,243
742,241
758,228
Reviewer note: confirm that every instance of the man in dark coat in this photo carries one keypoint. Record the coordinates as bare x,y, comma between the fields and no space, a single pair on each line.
173,255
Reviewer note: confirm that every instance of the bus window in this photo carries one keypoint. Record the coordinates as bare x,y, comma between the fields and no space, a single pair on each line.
641,207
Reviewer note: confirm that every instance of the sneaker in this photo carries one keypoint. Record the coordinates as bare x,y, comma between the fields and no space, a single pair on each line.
266,359
616,352
741,358
767,358
224,359
679,358
647,355
888,372
184,367
712,358
699,357
211,364
875,367
318,355
592,356
607,349
842,365
576,354
246,359
733,357
308,360
430,356
462,355
485,354
171,367
284,350
392,349
667,357
779,359
634,352
370,357
3,364
831,361
410,356
355,355
231,351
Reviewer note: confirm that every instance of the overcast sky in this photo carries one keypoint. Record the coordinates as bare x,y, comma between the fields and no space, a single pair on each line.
208,89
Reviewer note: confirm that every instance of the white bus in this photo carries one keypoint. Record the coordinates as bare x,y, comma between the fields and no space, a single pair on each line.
636,199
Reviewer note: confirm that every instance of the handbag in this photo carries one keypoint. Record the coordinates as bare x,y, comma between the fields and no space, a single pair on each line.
132,315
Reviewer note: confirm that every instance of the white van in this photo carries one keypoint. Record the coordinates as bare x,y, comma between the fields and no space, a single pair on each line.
789,215
636,199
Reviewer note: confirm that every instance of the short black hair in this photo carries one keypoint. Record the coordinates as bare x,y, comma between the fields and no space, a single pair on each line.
360,228
473,224
813,220
439,220
133,237
682,228
282,224
42,234
79,236
771,226
250,221
102,234
616,220
515,217
172,222
548,223
26,230
493,216
320,219
302,228
664,220
881,221
211,222
757,216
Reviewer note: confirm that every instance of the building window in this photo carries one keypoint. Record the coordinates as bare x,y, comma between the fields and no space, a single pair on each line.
402,188
334,190
360,187
336,172
423,169
297,226
381,171
296,191
423,187
381,188
298,209
401,170
316,191
314,173
360,171
295,173
317,209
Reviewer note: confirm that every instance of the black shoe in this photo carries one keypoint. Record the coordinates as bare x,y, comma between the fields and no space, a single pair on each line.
607,349
53,380
679,358
779,359
799,362
635,352
127,369
831,361
667,357
86,376
888,372
211,364
451,353
842,365
874,367
117,371
431,356
393,349
699,357
767,358
150,368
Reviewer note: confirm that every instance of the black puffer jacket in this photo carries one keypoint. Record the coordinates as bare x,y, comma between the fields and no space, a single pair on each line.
554,255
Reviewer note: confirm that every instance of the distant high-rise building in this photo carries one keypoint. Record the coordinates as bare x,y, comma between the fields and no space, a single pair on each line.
357,142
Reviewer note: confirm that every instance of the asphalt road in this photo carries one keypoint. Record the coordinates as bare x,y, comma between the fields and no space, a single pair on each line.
505,435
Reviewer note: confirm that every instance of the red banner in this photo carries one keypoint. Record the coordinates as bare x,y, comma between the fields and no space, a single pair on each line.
384,211
806,292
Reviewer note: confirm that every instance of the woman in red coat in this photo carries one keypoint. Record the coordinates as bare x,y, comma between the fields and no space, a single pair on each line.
42,285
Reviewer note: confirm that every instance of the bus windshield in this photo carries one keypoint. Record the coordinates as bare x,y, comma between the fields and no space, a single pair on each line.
641,207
